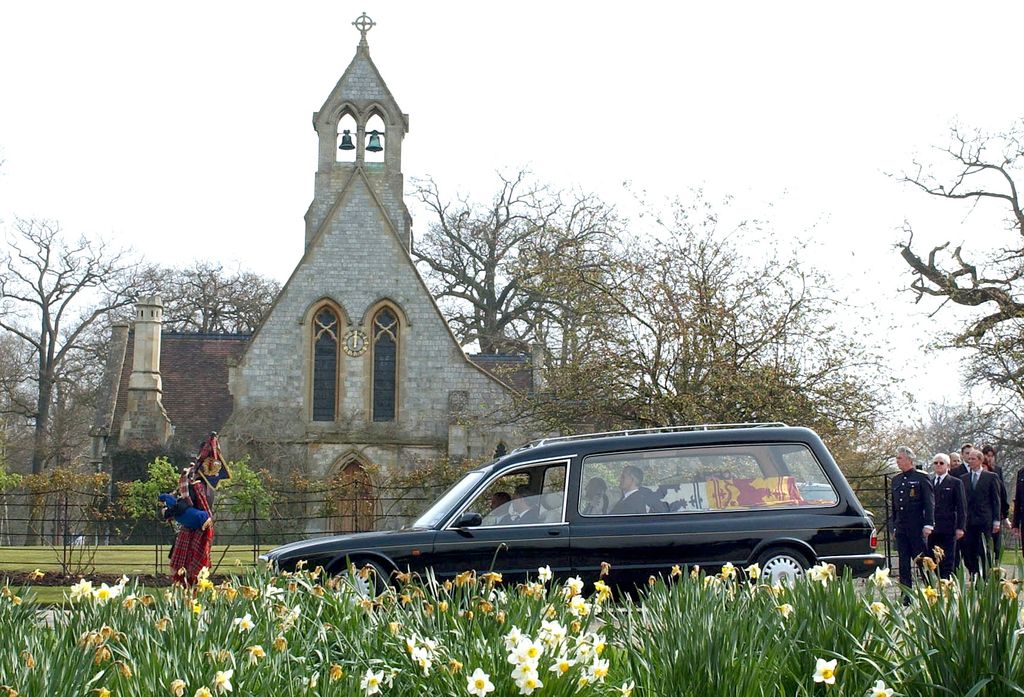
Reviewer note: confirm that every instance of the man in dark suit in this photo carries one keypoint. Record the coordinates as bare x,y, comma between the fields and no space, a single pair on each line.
521,510
989,461
982,490
913,511
634,495
950,514
1018,503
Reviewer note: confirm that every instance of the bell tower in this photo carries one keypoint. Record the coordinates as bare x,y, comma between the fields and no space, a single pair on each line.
359,130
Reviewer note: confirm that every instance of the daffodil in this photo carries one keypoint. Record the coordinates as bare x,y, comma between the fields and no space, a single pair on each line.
256,652
543,575
598,669
335,672
562,665
203,692
753,571
177,687
879,610
244,623
626,689
880,690
371,681
825,671
785,610
479,683
102,692
82,589
527,679
36,575
222,680
280,644
728,571
880,578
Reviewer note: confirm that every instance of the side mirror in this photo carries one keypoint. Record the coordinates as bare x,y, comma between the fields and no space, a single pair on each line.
468,520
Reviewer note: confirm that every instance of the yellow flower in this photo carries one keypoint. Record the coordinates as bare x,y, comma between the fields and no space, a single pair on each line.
30,661
753,571
491,577
928,563
256,653
930,594
695,572
249,592
785,610
101,655
130,602
1009,588
177,687
197,608
161,624
604,592
102,692
203,692
335,673
825,671
148,600
606,569
676,571
442,606
728,571
126,670
465,577
280,644
9,691
36,575
454,666
879,610
651,580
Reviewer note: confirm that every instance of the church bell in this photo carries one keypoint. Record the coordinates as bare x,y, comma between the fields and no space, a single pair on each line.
346,141
374,145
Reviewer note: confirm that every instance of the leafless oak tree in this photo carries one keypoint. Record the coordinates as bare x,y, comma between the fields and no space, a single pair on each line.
52,292
492,265
982,169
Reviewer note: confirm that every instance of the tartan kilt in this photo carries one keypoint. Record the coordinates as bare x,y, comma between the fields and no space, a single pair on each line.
191,552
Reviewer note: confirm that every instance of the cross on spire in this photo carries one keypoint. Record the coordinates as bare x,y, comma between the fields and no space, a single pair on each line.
364,24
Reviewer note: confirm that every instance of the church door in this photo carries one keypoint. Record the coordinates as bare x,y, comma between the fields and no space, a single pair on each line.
351,500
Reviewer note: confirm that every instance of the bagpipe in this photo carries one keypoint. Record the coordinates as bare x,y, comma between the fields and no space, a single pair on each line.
210,464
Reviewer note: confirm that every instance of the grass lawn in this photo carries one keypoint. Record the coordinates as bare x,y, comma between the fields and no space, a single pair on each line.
131,560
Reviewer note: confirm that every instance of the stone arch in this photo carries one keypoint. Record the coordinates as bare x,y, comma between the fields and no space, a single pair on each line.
326,322
346,126
375,132
351,496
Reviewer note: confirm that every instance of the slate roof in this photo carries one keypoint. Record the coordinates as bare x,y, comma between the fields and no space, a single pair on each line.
194,370
514,369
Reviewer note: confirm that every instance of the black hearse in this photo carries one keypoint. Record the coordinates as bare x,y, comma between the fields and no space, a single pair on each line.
641,501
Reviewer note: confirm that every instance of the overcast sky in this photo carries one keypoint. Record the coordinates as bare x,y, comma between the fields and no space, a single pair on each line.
184,130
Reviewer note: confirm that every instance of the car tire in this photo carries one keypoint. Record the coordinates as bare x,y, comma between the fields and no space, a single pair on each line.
374,584
782,565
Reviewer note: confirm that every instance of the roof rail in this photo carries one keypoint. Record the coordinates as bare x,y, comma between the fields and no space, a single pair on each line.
657,429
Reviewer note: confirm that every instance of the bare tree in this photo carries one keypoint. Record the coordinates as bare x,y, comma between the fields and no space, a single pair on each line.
695,327
52,292
207,298
491,265
981,169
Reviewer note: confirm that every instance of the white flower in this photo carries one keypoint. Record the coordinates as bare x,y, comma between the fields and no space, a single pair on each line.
879,610
627,689
244,624
527,679
105,593
598,670
544,574
753,571
822,573
562,665
310,682
371,681
82,589
513,638
578,606
553,633
527,652
880,690
421,657
728,571
479,683
825,671
222,680
880,578
573,586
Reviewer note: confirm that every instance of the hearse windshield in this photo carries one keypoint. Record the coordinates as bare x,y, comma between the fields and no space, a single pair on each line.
440,510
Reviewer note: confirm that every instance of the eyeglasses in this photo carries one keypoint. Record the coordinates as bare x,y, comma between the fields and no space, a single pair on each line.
938,462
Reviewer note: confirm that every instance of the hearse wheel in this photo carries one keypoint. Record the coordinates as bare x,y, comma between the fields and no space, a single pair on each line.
782,565
369,578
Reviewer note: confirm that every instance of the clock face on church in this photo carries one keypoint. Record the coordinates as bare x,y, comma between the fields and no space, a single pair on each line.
355,343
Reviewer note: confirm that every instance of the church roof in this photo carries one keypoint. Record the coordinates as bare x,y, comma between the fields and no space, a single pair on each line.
194,371
513,369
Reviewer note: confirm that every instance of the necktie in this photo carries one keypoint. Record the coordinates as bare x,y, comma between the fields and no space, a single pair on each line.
939,480
974,479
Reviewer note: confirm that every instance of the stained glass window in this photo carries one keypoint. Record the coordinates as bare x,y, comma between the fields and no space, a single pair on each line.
325,365
385,365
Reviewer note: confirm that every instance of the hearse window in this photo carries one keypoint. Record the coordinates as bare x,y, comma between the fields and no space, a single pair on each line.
524,496
719,478
814,486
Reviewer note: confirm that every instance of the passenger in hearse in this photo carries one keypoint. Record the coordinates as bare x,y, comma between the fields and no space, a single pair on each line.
634,494
595,497
522,509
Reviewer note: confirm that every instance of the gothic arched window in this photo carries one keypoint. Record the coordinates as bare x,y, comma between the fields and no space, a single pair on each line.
385,365
325,364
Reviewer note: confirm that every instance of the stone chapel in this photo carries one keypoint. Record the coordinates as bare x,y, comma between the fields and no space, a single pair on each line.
353,368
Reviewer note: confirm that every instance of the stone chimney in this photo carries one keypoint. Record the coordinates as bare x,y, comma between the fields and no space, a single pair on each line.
537,360
145,422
